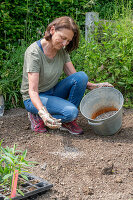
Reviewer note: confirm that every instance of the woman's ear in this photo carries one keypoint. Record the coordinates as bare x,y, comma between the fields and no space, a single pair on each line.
52,30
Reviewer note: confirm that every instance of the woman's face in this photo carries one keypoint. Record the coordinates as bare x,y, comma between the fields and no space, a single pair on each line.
61,38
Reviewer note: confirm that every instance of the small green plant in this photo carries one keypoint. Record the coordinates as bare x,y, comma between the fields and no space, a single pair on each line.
12,159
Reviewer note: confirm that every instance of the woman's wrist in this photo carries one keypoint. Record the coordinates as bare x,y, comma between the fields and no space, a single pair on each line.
91,86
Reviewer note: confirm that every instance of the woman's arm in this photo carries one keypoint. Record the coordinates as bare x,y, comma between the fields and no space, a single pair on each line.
33,89
70,69
34,95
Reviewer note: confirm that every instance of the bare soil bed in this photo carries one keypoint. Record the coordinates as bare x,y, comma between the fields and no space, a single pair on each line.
80,168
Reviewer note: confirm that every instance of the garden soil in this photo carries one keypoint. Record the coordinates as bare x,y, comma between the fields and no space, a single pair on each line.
79,167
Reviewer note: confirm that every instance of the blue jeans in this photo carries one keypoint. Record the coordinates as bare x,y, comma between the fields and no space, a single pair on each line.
63,99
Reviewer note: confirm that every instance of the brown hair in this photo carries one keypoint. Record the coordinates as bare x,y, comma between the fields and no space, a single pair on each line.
68,23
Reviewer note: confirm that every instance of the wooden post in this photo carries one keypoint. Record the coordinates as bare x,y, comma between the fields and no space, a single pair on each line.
91,17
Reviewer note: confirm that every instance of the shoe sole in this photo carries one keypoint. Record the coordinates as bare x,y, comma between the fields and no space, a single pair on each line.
65,129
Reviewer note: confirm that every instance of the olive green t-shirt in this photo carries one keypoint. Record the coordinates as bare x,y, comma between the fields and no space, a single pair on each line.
49,70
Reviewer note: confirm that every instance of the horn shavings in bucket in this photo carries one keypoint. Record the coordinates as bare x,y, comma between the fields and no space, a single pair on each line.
105,115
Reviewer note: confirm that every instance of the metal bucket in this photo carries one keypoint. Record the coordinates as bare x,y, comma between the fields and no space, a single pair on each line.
100,99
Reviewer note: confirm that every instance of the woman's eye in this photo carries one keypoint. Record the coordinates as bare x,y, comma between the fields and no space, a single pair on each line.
63,38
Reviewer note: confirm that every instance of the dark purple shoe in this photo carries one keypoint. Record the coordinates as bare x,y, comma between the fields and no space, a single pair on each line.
37,124
72,127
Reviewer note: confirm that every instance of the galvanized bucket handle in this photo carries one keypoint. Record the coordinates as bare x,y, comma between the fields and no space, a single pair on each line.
95,124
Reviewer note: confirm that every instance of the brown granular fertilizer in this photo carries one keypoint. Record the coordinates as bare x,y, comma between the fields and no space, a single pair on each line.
105,115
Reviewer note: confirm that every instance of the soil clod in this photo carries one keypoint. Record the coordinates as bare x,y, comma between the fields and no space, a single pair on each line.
108,170
130,169
118,180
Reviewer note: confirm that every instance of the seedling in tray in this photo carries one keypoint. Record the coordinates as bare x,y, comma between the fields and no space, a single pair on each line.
28,188
12,163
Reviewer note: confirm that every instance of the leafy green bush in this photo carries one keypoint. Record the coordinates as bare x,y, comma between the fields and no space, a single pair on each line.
108,56
25,19
34,17
11,75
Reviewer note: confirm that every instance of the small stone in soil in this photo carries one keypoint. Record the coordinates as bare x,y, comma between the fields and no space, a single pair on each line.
1,122
88,191
131,192
43,167
130,169
118,180
105,115
108,170
27,127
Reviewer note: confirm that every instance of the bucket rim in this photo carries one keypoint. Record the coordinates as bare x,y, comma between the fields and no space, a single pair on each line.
94,90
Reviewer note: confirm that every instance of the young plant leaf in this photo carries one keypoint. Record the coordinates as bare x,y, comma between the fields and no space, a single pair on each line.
7,176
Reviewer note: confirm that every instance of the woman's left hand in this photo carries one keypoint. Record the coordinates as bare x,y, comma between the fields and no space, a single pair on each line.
105,84
98,85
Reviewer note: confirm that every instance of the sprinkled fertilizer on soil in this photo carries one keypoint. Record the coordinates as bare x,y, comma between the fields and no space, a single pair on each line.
68,154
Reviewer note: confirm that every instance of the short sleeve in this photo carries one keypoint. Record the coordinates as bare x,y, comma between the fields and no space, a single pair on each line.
32,62
67,57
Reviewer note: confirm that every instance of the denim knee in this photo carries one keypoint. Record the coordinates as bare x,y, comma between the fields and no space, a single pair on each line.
70,113
82,77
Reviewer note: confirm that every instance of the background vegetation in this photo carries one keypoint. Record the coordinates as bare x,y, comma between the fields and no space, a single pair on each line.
107,57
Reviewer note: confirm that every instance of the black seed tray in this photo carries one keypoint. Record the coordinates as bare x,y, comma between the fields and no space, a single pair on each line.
36,184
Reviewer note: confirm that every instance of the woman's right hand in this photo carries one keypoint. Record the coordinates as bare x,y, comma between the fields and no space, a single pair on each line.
49,121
